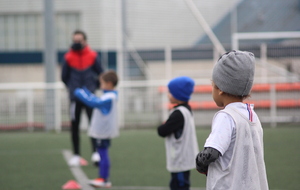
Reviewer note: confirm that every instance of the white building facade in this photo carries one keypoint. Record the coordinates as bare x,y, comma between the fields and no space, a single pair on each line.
150,24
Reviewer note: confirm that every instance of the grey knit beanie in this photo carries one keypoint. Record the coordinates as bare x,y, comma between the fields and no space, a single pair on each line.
234,72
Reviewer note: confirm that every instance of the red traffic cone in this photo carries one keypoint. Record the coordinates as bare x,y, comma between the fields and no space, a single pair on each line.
83,162
71,184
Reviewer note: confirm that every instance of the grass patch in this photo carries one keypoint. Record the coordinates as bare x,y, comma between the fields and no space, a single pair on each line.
35,161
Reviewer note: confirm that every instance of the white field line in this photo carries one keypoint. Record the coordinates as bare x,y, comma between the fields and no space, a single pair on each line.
83,180
77,172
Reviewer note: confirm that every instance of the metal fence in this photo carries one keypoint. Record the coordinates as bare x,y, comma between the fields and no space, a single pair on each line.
143,104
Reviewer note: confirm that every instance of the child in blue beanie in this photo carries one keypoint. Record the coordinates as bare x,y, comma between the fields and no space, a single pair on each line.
180,134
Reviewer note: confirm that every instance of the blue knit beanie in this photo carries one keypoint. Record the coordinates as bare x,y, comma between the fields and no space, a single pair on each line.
181,88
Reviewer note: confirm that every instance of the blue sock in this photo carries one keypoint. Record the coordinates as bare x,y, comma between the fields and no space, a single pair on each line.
104,164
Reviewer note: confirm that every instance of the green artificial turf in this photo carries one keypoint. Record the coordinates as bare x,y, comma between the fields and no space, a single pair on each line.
34,160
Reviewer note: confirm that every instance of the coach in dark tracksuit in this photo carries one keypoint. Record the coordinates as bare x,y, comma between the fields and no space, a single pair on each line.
81,68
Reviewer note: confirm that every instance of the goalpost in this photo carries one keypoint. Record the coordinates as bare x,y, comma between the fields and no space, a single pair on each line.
236,37
261,35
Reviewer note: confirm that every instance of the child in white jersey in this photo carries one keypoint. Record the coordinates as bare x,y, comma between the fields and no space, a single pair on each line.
180,134
233,155
104,124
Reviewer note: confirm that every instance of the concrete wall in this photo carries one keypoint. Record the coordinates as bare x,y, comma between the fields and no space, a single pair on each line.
24,73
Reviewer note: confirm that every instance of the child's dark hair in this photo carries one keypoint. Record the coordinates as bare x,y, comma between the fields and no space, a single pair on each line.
240,97
110,76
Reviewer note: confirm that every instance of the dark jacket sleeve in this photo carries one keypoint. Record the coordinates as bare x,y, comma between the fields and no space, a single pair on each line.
97,67
65,72
174,124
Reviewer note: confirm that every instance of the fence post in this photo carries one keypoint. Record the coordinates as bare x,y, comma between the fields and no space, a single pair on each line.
58,109
263,58
12,106
50,63
30,110
215,55
121,59
273,108
168,76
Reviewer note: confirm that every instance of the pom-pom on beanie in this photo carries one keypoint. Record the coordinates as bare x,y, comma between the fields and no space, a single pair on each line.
181,88
234,72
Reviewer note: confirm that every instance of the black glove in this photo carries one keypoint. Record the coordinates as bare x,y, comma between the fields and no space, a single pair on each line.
204,158
199,164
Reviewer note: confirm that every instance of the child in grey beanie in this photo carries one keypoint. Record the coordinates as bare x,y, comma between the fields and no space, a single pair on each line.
234,72
233,153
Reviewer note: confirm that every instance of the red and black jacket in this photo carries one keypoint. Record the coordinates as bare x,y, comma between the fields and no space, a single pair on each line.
81,69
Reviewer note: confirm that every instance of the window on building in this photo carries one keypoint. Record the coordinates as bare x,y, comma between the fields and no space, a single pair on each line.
24,32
